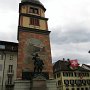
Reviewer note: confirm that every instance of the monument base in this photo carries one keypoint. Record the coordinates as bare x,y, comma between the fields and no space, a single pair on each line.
35,85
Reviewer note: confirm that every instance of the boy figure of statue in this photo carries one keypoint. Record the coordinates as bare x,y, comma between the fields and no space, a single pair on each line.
38,63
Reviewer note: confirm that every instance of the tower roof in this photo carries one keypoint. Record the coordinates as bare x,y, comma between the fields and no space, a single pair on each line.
36,2
32,1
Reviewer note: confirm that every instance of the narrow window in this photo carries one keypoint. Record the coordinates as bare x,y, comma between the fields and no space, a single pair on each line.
11,57
1,56
31,10
10,68
82,88
34,21
0,67
78,89
55,76
73,88
9,80
86,88
59,82
67,88
34,10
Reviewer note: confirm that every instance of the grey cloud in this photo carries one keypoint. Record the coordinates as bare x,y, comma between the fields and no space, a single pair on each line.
75,35
82,59
9,4
11,36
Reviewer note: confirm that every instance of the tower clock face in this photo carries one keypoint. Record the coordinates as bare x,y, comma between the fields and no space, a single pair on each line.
34,46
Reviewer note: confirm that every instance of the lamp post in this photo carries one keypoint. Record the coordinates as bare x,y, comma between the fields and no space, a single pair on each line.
89,51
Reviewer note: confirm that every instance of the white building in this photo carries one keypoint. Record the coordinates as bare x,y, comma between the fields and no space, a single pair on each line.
8,64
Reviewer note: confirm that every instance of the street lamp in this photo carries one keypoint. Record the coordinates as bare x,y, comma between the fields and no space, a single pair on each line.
89,51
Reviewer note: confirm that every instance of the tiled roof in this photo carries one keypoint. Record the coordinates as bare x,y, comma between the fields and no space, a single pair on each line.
86,65
7,43
8,46
62,65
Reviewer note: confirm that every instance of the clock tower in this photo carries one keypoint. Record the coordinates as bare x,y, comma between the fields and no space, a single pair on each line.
33,37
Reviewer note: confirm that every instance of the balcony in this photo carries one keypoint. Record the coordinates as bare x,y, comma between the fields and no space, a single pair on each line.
10,73
9,83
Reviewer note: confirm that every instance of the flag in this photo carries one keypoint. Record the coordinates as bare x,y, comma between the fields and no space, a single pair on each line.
74,63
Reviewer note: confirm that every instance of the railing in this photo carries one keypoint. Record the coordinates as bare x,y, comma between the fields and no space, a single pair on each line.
9,83
10,72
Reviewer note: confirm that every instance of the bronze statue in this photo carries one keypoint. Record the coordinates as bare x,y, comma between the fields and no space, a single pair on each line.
38,63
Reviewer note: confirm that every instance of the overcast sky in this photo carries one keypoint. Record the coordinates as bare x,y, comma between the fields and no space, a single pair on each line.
69,23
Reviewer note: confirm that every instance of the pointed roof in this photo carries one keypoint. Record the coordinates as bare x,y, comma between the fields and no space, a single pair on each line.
36,2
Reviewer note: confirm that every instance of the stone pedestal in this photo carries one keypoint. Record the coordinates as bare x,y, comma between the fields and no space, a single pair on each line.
22,85
51,84
35,85
39,85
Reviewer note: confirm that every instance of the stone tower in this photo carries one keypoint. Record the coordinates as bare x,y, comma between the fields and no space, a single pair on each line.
33,37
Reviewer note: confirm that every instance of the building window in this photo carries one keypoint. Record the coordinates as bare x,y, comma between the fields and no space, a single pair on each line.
66,82
1,56
9,80
59,82
10,68
84,82
87,74
75,74
88,82
55,76
2,46
58,75
78,82
70,74
73,88
67,88
34,21
72,82
82,88
78,88
34,10
65,73
86,88
0,67
11,57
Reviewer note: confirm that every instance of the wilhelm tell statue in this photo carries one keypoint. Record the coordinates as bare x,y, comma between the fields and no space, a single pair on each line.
38,63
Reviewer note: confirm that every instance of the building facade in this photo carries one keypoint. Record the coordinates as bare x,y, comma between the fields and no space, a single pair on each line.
8,64
71,79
